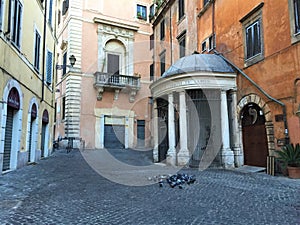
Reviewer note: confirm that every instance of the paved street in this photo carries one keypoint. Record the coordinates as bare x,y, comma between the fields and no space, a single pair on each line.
64,189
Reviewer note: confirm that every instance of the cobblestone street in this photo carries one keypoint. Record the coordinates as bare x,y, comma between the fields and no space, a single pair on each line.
64,189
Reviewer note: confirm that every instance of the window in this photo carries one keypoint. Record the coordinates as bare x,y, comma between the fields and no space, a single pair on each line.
37,49
180,9
162,63
141,12
64,63
58,17
253,36
63,107
152,11
113,63
49,67
181,41
151,72
50,11
16,22
1,13
162,29
151,41
65,7
211,42
253,40
297,15
203,46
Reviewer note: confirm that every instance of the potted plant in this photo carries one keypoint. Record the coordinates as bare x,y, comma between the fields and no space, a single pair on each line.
289,155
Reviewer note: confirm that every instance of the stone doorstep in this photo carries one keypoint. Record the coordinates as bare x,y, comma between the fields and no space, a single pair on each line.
250,169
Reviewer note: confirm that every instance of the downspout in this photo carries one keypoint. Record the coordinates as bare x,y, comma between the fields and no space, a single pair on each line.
213,25
286,132
44,48
171,38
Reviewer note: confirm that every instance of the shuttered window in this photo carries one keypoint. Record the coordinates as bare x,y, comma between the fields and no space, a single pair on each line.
253,39
49,67
16,22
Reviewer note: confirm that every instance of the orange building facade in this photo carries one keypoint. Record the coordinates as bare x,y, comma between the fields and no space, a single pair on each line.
259,40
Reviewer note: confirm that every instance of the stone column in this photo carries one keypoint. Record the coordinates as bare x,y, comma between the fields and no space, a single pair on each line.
183,156
236,140
171,155
102,124
126,132
227,154
155,131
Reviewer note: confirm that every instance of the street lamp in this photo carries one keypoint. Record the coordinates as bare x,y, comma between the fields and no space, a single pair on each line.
72,60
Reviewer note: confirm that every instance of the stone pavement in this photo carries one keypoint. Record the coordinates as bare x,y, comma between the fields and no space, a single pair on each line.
64,189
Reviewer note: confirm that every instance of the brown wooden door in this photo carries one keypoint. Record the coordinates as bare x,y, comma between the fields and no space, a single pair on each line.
254,137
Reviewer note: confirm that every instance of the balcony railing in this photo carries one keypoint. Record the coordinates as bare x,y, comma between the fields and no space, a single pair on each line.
116,82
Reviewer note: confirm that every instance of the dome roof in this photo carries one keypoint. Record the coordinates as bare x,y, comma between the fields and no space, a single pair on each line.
199,62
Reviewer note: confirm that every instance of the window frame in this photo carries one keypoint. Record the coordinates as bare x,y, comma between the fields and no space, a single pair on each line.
162,62
151,68
249,21
182,39
16,24
142,9
37,50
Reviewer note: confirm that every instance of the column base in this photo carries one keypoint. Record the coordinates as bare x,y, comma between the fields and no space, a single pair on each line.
227,158
183,157
238,157
171,157
155,154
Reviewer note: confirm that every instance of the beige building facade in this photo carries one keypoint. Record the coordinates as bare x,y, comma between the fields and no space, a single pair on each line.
103,101
27,47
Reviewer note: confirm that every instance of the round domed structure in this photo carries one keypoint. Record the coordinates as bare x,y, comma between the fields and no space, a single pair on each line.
199,62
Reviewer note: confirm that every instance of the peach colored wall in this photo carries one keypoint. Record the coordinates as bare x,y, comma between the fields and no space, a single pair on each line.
125,13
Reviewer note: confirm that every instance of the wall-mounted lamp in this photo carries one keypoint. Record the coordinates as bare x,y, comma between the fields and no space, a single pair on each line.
72,60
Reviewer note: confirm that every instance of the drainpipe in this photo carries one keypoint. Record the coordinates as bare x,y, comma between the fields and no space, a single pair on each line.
44,48
286,131
171,38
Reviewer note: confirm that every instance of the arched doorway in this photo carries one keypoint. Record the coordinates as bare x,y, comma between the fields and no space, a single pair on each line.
44,135
13,105
163,141
254,136
31,141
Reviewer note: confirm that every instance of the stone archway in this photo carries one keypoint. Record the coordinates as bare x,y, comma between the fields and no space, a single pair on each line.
269,127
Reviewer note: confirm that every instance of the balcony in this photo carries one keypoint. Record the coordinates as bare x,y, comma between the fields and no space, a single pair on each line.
116,82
